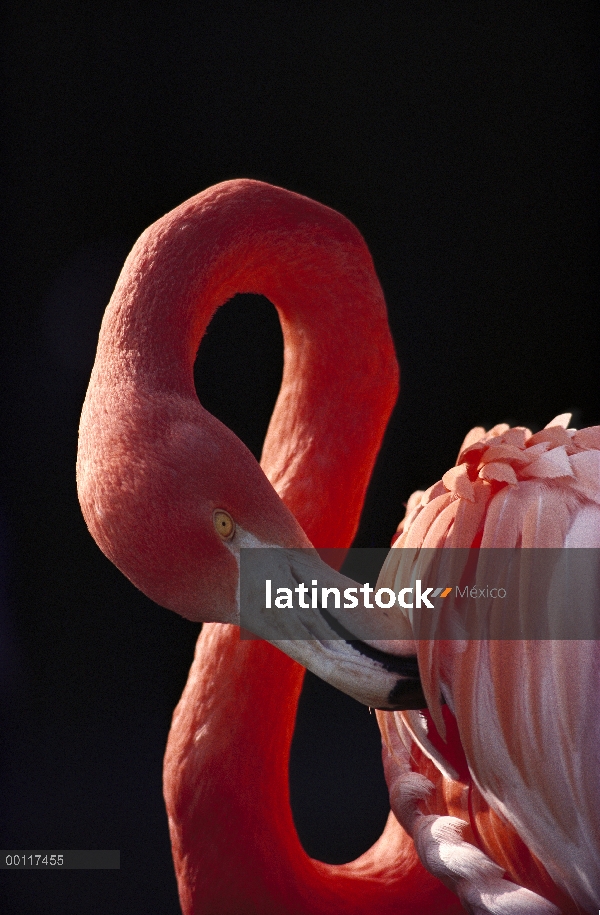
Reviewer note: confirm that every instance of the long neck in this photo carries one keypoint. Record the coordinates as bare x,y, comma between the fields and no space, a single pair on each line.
226,767
235,847
340,377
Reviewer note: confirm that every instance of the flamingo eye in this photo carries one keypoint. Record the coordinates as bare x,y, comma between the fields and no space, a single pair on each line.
224,524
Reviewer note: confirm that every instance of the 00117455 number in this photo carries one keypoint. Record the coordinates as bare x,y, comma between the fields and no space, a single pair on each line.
41,860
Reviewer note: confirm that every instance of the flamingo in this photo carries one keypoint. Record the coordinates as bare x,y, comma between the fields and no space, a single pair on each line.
171,496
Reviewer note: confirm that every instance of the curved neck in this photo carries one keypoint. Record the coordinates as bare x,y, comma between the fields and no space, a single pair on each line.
340,378
226,767
235,847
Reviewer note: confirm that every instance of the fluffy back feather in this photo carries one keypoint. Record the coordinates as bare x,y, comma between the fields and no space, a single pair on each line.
524,712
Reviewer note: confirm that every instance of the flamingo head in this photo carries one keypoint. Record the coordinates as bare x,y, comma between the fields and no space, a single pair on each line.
172,496
173,511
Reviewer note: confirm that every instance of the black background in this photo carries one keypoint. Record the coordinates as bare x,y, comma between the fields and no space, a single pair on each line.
460,139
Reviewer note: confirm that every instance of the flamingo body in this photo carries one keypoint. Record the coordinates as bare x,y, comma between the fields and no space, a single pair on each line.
517,767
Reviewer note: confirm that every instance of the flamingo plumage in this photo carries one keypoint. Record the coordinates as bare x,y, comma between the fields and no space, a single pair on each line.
524,788
157,475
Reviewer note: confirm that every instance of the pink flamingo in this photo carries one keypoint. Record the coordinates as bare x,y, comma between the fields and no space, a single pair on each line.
171,495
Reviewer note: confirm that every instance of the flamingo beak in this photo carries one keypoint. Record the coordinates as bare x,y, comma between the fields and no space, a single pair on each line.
345,646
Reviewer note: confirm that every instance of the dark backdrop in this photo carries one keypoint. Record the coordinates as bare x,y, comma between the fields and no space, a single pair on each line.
459,138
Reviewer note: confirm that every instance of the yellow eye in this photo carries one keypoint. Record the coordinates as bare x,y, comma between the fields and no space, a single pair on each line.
224,524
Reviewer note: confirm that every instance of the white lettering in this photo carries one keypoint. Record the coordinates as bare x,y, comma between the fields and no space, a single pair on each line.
314,595
351,600
286,595
325,592
387,592
422,595
366,590
302,591
401,598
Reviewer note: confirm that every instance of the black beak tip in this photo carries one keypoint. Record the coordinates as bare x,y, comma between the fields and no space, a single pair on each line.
406,694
